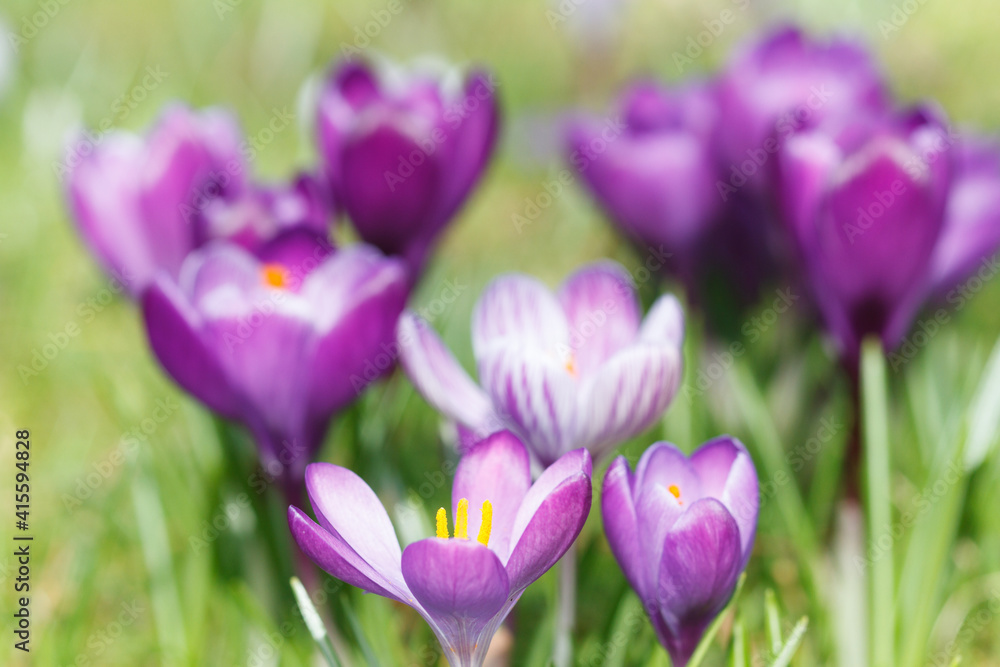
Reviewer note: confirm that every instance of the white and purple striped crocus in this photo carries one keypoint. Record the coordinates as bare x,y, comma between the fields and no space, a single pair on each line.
507,532
276,340
401,150
578,368
864,199
132,197
682,530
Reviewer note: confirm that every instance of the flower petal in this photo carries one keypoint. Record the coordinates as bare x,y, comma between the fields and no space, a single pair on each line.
496,469
621,523
336,557
550,518
437,375
347,507
175,335
388,193
728,474
462,586
518,309
700,565
627,395
535,394
602,311
664,323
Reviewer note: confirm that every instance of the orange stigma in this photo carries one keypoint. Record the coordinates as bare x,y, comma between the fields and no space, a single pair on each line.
275,275
570,365
676,493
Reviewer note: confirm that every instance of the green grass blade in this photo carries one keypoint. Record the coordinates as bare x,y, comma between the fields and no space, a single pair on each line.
794,639
706,640
878,502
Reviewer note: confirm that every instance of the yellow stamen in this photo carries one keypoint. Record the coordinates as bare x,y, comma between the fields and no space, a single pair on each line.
275,275
442,523
487,525
676,492
462,519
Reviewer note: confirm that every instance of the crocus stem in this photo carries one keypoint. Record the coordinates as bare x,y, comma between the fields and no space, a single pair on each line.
878,501
562,650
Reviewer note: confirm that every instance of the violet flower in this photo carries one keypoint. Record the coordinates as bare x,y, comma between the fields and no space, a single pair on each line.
401,151
579,368
657,177
277,341
865,202
971,232
462,587
787,82
131,197
682,530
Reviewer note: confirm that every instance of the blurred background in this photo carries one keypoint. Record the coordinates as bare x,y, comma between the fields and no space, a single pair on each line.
148,525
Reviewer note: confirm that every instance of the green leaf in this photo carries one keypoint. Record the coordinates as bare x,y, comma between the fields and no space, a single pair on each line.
786,652
878,501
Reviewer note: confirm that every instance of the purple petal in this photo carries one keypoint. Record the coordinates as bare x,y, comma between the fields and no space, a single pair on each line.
602,311
472,141
355,299
390,184
662,471
627,395
299,250
701,563
350,510
175,336
971,232
550,518
437,375
102,192
535,394
621,523
728,474
336,557
520,309
496,469
462,585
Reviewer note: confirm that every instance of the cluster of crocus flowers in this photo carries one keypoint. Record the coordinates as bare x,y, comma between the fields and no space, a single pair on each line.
507,532
810,125
682,530
578,368
248,306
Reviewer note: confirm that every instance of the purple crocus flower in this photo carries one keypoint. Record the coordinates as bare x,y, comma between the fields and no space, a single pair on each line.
463,588
578,368
971,232
401,151
277,341
682,530
131,196
865,202
656,177
260,213
783,83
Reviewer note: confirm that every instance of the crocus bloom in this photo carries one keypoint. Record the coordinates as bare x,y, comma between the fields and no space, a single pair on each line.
971,232
401,151
578,368
507,533
786,82
865,203
277,341
656,174
682,530
131,196
259,213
